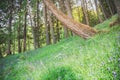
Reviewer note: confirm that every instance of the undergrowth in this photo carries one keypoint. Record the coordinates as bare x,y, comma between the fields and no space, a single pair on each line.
60,73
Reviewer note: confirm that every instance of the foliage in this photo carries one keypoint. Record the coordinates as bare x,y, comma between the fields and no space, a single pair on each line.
93,18
78,16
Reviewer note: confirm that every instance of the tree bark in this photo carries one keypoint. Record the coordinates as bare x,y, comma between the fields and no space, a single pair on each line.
80,29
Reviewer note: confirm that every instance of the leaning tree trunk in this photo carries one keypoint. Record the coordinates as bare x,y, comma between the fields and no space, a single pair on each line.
80,29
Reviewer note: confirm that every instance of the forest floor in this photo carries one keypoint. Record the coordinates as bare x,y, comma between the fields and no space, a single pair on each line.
74,58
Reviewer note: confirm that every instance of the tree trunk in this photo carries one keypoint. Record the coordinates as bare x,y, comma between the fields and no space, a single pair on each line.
58,30
38,24
100,4
69,11
109,6
0,51
46,25
98,13
51,27
32,25
80,29
9,28
117,4
19,43
113,7
25,25
85,11
105,8
83,17
19,27
63,9
68,8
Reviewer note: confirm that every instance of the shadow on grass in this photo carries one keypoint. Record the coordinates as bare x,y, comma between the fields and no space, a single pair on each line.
7,64
60,73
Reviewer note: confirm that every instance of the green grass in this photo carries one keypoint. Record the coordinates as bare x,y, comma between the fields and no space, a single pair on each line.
71,59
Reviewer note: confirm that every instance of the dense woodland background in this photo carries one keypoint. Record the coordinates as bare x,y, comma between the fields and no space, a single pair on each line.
29,24
59,39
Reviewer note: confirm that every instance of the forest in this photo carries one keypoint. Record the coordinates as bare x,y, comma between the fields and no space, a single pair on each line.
60,40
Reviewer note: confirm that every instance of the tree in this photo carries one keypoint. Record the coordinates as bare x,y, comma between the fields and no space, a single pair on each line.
25,31
108,3
57,30
80,29
102,9
63,9
46,25
84,8
69,10
97,10
9,28
38,26
108,8
33,24
51,27
117,4
19,27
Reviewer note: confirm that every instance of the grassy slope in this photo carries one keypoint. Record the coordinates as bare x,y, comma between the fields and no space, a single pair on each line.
88,59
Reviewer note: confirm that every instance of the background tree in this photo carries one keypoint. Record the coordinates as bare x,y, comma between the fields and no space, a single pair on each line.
117,3
9,27
46,25
97,10
62,7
